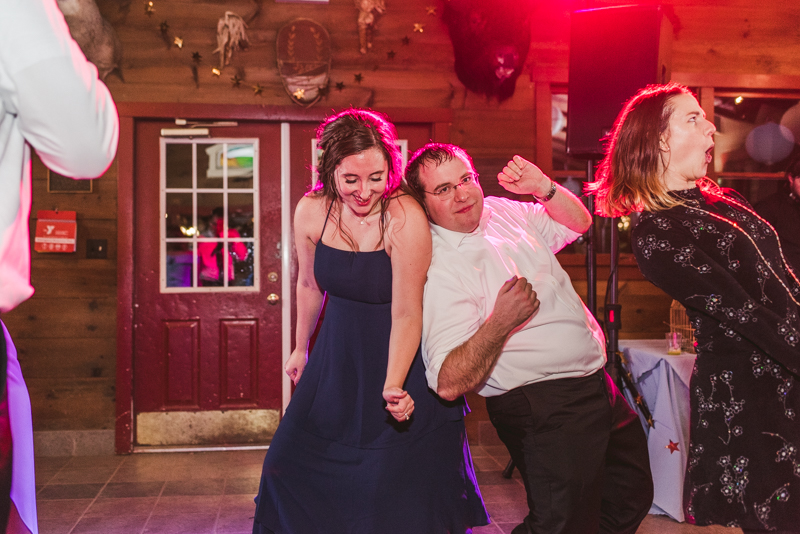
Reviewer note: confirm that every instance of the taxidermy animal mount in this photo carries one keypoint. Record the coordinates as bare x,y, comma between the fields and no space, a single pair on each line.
490,42
94,34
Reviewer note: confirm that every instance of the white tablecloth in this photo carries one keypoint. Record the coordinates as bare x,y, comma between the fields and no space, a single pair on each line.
663,381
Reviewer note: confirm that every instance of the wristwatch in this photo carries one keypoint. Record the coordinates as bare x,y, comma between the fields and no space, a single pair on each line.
550,194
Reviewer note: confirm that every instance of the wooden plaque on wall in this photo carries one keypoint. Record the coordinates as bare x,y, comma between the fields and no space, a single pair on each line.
57,183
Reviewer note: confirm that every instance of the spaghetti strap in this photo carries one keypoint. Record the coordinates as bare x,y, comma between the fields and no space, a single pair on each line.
326,221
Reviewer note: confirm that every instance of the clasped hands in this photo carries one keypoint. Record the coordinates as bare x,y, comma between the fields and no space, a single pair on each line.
398,403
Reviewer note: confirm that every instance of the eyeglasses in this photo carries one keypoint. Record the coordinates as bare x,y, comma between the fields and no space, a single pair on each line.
446,192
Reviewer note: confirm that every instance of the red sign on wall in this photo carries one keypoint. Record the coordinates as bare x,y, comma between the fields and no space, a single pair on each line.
56,231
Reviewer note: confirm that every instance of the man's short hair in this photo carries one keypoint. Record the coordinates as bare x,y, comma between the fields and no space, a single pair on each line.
431,154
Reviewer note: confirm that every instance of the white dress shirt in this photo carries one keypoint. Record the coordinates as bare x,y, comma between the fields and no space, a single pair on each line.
51,100
561,340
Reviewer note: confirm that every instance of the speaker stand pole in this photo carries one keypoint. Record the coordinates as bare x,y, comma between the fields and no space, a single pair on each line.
591,252
613,317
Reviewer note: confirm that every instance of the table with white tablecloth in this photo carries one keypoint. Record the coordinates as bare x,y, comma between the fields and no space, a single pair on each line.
663,382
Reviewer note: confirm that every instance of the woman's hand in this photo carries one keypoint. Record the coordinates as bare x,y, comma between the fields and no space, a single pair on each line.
398,403
296,364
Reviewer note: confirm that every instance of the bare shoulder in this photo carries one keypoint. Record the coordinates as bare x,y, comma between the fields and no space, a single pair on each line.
309,216
404,208
408,224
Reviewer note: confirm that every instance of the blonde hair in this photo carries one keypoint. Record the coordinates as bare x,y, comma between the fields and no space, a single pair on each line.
629,177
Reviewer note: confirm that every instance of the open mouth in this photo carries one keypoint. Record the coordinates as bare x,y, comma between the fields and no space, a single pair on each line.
360,201
709,154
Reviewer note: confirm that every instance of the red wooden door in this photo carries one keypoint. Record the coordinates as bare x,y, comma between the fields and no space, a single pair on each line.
207,259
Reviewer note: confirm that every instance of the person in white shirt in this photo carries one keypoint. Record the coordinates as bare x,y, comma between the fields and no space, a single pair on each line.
50,100
500,316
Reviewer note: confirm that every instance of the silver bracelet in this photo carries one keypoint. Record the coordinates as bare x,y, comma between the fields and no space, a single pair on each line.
550,194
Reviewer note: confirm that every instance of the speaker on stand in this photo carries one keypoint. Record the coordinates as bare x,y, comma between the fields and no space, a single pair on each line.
614,52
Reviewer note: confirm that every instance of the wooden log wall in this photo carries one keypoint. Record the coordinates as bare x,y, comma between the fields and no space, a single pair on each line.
65,333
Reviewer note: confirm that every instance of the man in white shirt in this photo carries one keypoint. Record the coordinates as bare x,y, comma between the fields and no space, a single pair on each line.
52,101
501,317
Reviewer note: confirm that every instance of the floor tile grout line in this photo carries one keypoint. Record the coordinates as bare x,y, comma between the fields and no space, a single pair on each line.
153,510
83,514
219,510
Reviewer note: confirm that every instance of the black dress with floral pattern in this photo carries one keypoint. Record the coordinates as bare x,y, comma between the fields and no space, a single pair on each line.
723,263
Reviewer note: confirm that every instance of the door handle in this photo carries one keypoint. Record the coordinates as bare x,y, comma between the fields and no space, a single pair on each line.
273,299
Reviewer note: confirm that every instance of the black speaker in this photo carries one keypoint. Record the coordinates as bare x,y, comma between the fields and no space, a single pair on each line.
613,52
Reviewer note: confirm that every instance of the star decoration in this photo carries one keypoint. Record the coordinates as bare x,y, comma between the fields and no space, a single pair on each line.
215,71
149,8
339,86
673,446
164,27
406,40
178,42
650,422
299,94
257,89
431,10
196,57
358,77
418,27
236,81
390,54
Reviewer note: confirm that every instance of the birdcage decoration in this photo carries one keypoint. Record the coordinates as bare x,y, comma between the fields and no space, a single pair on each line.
679,322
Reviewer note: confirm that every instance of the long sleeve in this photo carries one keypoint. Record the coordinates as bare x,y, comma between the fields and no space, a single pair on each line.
62,109
51,100
718,272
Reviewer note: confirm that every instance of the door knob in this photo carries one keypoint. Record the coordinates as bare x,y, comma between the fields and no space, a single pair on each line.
273,299
272,277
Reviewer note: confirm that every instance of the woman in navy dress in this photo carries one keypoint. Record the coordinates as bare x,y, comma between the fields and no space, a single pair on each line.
364,446
707,248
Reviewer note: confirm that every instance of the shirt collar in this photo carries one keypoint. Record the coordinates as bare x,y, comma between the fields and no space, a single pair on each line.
454,239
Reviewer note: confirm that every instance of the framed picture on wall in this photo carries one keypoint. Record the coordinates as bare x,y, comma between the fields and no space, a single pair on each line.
57,183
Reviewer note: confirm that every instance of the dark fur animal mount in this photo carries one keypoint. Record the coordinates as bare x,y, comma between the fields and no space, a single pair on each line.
491,41
94,34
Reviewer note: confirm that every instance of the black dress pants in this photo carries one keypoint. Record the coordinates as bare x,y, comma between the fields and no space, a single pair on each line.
582,454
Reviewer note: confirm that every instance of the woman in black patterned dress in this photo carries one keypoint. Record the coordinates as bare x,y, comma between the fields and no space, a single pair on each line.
707,248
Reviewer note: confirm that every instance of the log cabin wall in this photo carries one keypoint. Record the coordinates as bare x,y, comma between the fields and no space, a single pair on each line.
66,333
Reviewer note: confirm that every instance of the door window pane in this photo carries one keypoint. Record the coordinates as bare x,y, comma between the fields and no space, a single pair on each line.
210,166
179,166
180,272
210,210
240,166
179,215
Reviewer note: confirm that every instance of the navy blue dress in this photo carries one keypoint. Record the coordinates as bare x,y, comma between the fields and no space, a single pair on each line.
339,463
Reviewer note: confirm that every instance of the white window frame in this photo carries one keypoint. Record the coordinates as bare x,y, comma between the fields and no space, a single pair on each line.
224,190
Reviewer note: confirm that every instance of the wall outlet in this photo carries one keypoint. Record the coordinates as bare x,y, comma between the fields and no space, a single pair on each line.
97,249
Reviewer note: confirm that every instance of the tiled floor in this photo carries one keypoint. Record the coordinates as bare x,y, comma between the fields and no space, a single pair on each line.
212,492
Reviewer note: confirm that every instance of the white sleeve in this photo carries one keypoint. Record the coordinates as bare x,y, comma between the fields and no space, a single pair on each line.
555,234
450,316
64,111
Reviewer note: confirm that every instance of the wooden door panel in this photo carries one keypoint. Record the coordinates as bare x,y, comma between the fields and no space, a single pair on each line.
182,364
239,363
